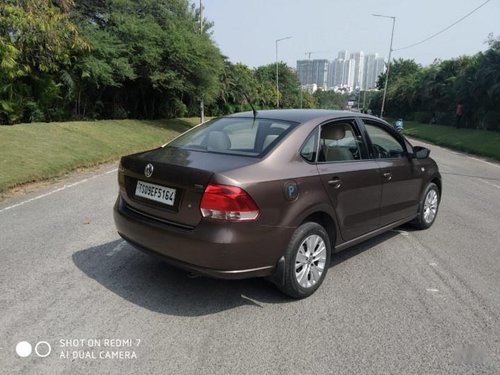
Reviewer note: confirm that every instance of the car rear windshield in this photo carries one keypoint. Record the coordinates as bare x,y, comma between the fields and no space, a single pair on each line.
235,136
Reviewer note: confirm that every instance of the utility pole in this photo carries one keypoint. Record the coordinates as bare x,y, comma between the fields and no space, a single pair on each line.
388,63
277,72
358,94
202,104
300,88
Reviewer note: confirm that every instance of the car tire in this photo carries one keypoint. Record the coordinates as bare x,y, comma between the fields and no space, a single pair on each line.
429,205
307,259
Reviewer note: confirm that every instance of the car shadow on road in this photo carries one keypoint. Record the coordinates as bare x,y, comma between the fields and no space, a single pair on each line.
351,252
148,282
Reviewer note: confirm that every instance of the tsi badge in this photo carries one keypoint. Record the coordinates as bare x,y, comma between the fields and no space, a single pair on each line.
291,190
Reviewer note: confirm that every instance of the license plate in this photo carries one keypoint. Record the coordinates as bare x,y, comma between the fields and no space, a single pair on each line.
156,193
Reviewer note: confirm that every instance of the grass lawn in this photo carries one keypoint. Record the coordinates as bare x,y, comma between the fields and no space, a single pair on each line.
33,152
479,142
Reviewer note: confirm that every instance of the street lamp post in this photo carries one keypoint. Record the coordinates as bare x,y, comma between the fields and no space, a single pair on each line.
202,103
388,63
277,72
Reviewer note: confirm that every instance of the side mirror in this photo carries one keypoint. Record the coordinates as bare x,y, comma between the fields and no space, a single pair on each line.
420,152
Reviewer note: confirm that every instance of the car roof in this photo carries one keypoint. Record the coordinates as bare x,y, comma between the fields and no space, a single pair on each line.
301,115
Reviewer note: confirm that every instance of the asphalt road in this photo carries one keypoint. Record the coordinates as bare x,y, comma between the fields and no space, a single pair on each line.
407,302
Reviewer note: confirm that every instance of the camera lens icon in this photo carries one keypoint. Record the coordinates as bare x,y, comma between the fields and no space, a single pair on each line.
24,349
42,349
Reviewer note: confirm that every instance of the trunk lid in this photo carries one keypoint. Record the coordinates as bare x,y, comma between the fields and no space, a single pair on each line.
173,191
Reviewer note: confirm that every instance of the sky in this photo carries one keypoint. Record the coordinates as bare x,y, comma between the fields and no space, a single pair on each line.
246,30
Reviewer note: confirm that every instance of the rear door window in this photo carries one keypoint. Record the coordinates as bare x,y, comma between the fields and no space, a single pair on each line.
340,141
308,151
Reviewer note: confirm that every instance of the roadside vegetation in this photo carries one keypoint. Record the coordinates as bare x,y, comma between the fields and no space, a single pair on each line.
474,141
40,151
82,61
431,94
116,59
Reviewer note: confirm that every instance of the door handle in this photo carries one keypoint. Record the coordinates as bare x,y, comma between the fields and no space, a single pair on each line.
335,182
387,176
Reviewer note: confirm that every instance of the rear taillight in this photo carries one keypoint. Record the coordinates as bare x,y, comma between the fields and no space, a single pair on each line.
231,203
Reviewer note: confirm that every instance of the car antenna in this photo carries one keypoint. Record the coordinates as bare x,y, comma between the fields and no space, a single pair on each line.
255,113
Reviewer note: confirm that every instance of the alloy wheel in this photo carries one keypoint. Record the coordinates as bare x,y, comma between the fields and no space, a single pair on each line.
310,261
430,206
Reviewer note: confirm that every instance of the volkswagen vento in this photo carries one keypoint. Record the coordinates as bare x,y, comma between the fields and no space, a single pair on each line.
274,194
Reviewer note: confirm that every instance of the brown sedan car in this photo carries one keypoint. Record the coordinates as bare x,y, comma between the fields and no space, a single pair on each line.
274,194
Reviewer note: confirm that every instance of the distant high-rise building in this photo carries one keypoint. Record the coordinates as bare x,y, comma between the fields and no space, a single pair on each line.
369,73
331,75
374,66
320,72
304,69
348,71
343,55
338,72
313,72
359,68
342,73
349,79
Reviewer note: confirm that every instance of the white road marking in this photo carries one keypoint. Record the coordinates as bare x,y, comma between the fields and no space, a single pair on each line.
490,183
56,190
116,249
433,264
432,290
484,161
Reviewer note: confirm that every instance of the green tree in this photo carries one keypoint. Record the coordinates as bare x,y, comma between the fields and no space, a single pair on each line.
330,99
148,57
401,89
238,89
484,111
289,85
399,68
37,39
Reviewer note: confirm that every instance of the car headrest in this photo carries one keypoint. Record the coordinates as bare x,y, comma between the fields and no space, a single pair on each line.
218,141
275,130
270,138
335,132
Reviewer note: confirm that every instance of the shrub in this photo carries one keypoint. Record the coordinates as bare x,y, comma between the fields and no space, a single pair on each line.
173,108
119,112
491,120
424,117
32,113
445,118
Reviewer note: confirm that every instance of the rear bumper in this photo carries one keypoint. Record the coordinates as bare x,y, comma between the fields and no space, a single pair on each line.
215,249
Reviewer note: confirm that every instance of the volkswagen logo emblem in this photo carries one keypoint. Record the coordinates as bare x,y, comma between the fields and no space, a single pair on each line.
148,171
